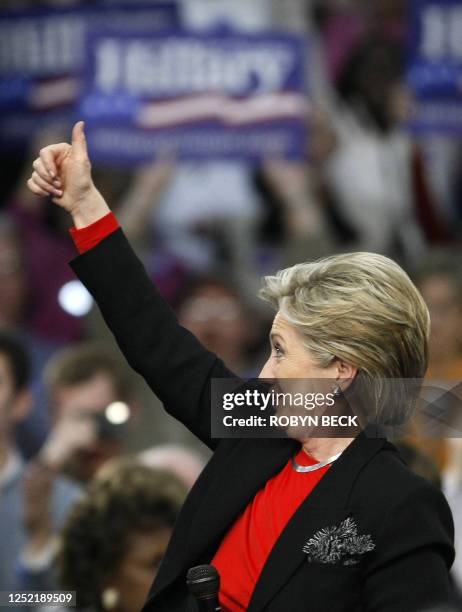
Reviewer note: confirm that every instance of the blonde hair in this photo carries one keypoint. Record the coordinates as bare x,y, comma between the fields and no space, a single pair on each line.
363,309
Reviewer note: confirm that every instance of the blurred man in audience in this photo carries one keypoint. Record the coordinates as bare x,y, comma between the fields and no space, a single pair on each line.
213,311
89,394
440,281
115,537
15,305
436,430
91,407
26,537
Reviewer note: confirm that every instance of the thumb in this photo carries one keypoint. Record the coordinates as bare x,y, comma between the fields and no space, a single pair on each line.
79,141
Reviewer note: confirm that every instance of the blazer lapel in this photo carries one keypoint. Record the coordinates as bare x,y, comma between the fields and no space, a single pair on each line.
242,472
326,505
245,472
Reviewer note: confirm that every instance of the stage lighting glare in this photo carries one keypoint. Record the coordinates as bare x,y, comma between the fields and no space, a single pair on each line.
75,299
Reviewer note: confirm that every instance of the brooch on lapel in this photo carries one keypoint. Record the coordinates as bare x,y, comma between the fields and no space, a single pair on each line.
339,544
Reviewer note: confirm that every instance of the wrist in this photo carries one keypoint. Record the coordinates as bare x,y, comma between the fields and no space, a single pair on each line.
92,209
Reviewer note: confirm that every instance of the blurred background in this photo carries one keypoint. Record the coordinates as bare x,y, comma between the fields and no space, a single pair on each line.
232,139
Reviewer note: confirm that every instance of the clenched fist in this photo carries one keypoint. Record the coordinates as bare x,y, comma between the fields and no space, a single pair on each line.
64,171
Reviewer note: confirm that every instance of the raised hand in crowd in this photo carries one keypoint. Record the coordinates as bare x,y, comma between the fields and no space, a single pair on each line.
72,433
149,182
291,182
68,436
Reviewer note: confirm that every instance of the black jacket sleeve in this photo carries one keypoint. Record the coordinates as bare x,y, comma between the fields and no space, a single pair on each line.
171,360
416,551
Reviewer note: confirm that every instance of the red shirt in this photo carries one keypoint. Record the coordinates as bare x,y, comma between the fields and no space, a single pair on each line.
247,545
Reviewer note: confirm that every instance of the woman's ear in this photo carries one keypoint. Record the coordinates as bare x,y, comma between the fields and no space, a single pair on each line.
346,373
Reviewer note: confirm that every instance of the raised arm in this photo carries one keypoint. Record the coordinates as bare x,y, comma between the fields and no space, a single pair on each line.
171,360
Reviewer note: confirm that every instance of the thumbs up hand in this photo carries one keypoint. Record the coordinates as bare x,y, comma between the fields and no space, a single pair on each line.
64,171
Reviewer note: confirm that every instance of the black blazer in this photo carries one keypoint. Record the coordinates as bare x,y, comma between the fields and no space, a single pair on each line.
408,519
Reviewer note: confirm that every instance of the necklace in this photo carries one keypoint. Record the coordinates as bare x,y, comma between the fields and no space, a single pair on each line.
311,468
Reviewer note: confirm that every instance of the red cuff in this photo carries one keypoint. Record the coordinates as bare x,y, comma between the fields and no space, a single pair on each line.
88,237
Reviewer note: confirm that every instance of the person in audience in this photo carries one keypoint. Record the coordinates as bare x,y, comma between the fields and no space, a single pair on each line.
439,278
85,383
115,537
212,309
375,173
15,305
440,281
436,430
27,537
91,405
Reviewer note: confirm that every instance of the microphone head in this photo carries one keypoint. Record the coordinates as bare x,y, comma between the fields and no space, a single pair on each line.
203,581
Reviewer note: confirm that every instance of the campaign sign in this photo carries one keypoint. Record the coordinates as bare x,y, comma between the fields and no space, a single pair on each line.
434,72
194,96
42,56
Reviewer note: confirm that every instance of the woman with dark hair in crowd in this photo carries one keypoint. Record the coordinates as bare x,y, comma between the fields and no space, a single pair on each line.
376,172
115,537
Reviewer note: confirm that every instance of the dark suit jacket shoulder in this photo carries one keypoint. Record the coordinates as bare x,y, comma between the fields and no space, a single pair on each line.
371,536
414,534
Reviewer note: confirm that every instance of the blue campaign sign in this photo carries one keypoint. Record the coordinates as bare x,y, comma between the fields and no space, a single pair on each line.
42,57
434,72
195,96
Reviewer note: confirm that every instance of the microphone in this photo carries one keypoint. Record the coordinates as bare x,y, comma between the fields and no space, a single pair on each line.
204,583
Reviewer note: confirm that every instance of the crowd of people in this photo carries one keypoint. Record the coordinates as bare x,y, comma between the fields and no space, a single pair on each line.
92,471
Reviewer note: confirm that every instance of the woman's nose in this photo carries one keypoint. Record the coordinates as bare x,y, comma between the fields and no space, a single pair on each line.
266,371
